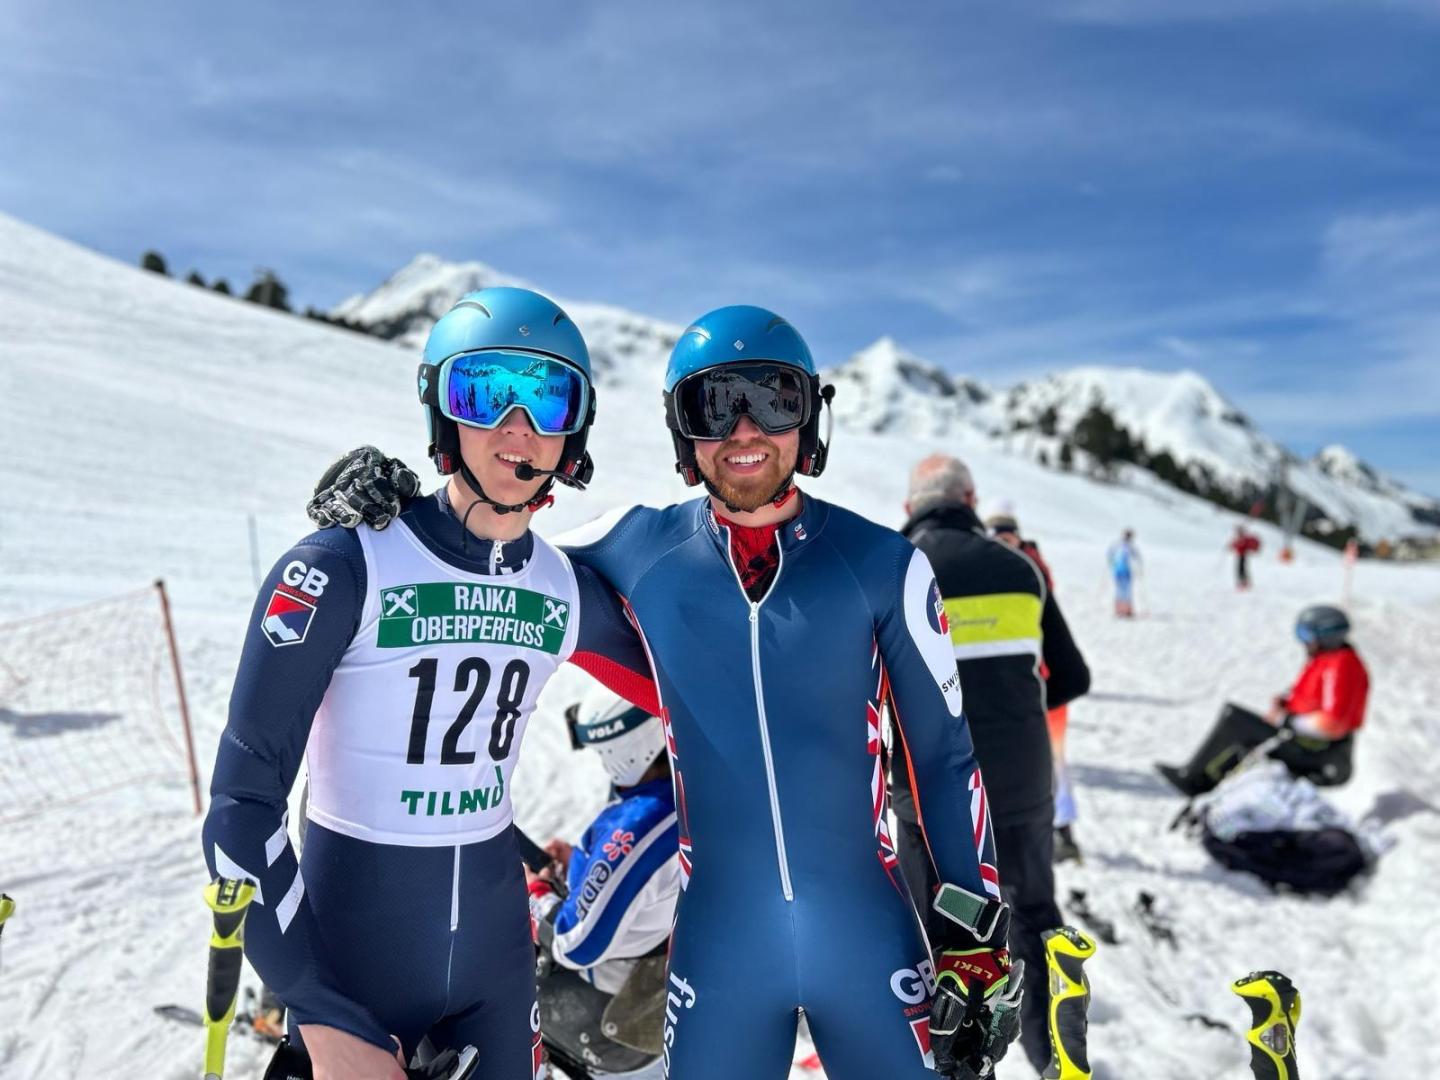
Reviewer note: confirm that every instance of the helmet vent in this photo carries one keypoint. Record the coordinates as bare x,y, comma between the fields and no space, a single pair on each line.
473,304
776,321
560,317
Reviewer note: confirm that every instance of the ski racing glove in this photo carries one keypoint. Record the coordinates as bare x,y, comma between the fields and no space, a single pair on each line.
363,486
976,1014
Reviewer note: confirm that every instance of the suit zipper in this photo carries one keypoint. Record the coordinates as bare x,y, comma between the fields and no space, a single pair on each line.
776,823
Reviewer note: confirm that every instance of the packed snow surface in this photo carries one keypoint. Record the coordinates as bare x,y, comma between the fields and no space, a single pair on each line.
145,419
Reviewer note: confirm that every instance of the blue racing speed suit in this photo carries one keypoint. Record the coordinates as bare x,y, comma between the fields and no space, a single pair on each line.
792,895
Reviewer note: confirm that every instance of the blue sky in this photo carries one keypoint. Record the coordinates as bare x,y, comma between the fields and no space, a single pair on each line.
1249,188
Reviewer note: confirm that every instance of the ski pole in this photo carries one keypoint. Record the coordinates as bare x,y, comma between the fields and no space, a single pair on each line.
7,908
228,901
1066,950
1274,1015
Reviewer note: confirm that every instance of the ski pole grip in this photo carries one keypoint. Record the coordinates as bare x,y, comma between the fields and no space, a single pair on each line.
228,900
1066,950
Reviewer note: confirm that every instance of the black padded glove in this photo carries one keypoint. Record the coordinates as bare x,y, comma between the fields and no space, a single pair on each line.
363,486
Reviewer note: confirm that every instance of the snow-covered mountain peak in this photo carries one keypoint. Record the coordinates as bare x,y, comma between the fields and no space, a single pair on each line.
408,303
887,388
884,387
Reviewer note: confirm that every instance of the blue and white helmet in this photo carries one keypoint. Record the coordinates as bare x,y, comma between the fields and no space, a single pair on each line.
627,738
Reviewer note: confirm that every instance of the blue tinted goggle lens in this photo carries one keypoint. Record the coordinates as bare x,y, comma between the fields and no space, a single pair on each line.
710,403
480,388
1305,634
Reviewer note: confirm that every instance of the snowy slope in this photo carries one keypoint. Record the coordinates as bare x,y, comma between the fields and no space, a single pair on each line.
884,388
202,409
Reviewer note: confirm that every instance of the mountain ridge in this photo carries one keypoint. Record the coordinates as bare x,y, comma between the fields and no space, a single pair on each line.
1214,447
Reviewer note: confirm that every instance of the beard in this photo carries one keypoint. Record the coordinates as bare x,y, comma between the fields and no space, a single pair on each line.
747,494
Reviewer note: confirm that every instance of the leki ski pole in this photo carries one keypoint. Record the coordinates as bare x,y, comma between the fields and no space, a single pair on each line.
228,901
1066,950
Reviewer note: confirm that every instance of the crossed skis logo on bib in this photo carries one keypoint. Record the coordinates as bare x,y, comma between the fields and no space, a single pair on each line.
442,612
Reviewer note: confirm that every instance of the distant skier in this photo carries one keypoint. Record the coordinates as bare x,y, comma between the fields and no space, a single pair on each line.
604,915
1312,725
1005,528
1244,544
1125,566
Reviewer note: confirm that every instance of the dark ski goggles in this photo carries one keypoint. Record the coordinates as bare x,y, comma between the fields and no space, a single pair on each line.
710,403
479,389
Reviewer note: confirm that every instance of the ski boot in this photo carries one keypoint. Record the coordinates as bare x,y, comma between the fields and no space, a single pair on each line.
1066,951
1274,1015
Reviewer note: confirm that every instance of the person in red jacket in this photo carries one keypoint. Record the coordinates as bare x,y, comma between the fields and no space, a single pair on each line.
1311,726
1243,545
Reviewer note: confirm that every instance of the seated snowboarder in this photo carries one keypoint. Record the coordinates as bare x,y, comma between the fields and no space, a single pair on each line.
603,911
1312,726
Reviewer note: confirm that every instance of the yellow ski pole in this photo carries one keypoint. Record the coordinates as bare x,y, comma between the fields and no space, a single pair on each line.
228,900
7,908
1274,1015
1066,950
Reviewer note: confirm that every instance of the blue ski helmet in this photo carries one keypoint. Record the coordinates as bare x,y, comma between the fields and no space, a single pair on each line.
1322,625
744,334
503,318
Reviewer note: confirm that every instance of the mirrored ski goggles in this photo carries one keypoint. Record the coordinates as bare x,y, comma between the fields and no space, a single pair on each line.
710,403
478,389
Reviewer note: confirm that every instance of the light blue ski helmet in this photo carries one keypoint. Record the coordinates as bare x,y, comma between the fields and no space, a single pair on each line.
503,317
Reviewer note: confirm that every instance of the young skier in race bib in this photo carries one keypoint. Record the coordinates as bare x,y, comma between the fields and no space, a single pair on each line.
404,665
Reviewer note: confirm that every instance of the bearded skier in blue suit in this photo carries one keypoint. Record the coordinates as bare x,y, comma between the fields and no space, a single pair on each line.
780,631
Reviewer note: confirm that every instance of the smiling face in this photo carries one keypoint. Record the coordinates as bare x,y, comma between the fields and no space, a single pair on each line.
747,467
492,456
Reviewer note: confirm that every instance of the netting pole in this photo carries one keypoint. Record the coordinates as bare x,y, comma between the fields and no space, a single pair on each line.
180,692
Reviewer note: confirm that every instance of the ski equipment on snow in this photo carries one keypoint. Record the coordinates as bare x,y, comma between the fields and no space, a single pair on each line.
744,361
1158,926
1274,1015
1066,950
228,901
1103,928
500,349
627,738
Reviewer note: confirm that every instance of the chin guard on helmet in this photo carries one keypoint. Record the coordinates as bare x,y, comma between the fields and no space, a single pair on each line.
813,452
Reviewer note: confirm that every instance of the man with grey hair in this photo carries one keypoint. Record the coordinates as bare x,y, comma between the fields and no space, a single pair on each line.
1002,623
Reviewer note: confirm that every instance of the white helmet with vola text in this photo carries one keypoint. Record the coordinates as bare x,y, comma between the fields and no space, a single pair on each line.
627,738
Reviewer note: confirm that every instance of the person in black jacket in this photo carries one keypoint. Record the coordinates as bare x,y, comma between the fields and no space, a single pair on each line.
1003,623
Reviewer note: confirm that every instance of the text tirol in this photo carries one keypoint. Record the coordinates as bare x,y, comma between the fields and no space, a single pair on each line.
443,612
